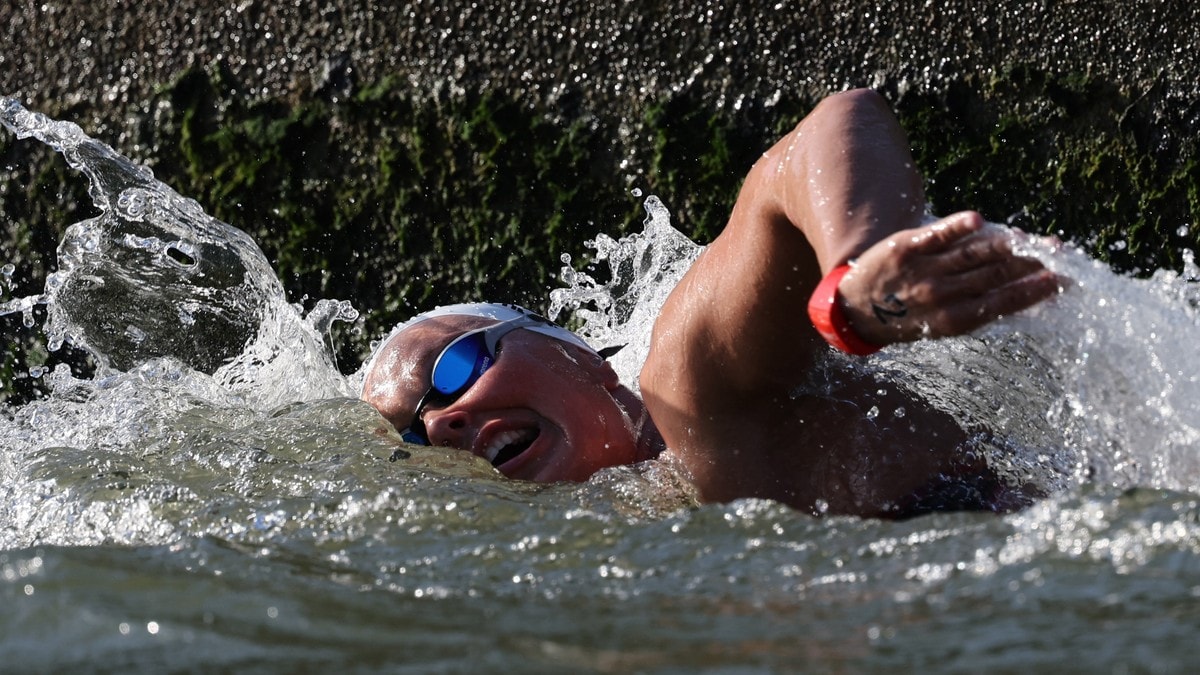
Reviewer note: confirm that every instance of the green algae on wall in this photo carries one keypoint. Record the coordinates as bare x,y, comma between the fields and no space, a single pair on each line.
391,202
1065,155
398,201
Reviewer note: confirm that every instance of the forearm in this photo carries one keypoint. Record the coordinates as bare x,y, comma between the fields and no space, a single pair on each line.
845,177
845,180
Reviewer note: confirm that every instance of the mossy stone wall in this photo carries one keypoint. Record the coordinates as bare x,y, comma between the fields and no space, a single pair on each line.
400,181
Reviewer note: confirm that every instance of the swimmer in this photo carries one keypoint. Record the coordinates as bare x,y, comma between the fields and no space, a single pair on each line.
824,249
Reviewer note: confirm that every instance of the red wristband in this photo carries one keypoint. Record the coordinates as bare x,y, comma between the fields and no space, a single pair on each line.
827,318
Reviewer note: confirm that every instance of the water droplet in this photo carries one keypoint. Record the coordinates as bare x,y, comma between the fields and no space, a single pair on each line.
873,412
900,412
636,192
132,203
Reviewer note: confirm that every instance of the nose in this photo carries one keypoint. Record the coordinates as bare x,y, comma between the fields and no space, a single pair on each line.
447,428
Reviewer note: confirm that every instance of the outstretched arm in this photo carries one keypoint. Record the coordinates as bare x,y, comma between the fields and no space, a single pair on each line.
844,178
735,337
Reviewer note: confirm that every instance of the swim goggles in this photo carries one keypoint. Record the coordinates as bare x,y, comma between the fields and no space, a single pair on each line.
460,365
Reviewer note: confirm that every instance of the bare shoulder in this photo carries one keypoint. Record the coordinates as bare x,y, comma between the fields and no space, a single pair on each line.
733,336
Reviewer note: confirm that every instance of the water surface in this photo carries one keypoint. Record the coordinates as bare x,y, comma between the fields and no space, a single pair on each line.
215,497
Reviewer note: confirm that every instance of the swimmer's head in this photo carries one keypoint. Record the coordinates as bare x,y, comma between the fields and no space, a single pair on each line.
484,310
504,383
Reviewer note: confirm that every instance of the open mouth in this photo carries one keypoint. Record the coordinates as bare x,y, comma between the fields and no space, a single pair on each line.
508,445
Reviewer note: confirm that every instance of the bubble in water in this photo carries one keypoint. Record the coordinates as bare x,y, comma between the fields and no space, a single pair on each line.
186,317
136,334
636,192
182,254
132,203
873,412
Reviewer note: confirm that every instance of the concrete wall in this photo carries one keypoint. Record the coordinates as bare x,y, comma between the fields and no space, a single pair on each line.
104,58
402,155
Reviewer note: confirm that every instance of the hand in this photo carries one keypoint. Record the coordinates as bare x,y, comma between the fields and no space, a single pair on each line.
947,278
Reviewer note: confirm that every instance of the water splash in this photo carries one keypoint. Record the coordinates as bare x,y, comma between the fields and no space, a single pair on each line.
1128,369
153,276
180,308
213,393
1100,385
642,269
222,507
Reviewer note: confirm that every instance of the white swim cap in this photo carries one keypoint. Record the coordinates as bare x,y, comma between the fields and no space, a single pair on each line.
486,310
499,312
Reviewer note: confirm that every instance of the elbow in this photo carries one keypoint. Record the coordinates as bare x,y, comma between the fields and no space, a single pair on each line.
847,112
854,103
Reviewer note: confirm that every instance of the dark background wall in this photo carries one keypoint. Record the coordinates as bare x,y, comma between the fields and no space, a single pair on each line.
413,153
108,57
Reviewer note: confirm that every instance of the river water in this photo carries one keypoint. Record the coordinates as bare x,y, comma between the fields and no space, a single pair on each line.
216,499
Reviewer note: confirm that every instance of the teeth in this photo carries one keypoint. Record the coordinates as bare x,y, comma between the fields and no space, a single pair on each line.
503,440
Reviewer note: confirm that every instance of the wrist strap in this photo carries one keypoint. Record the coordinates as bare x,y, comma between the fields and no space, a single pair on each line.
826,315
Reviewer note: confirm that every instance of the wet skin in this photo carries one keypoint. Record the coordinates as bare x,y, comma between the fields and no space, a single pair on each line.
547,411
544,411
735,385
734,340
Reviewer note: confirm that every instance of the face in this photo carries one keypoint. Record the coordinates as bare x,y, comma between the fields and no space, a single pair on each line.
544,411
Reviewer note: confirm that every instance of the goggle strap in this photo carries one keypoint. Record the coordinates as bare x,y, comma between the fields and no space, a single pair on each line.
493,333
609,352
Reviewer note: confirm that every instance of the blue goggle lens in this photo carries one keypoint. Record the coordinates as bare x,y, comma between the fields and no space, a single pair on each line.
463,362
460,364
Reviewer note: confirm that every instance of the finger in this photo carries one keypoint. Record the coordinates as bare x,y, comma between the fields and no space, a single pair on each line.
1050,242
1024,293
969,314
943,234
988,277
978,250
